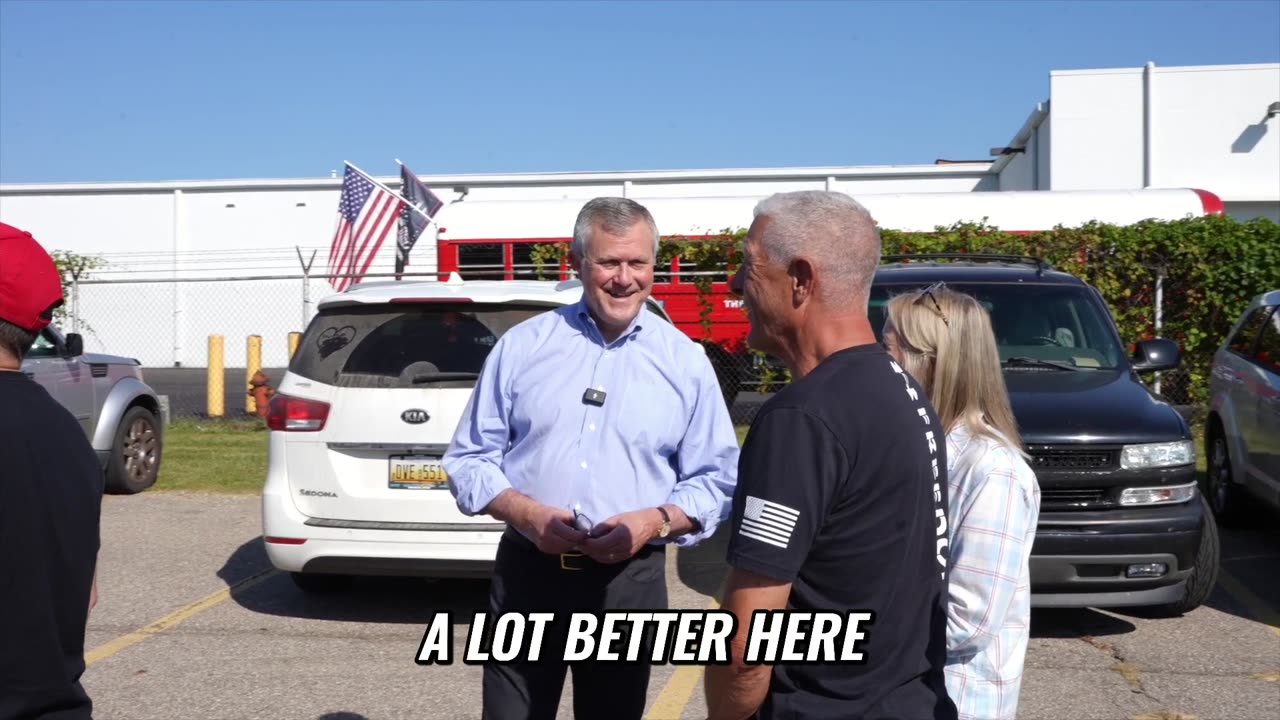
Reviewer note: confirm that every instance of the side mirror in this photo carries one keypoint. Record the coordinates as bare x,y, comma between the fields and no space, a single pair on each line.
1155,355
75,345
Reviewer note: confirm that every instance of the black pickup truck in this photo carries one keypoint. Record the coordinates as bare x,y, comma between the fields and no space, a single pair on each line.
1121,520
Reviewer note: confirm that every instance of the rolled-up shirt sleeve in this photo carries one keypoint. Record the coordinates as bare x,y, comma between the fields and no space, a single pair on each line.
708,458
474,458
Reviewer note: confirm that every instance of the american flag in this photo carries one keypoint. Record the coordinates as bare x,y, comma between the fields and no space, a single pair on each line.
768,521
366,216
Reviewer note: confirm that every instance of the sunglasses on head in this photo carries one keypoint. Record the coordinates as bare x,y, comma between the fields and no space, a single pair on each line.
928,292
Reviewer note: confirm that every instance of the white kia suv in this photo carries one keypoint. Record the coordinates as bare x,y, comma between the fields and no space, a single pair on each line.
362,418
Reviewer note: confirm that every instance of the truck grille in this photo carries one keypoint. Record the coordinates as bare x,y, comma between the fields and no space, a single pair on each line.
1087,461
1073,459
1073,498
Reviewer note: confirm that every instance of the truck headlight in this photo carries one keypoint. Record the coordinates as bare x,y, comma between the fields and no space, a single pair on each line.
1156,455
1166,495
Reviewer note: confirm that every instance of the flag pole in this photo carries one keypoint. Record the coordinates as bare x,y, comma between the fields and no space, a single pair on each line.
393,193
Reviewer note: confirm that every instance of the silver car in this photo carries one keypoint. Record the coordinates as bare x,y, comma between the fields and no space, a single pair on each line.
119,412
1242,435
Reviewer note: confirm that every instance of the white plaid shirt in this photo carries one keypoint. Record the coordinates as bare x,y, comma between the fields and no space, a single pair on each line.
995,503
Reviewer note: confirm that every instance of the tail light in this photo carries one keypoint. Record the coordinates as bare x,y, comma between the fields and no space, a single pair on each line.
294,414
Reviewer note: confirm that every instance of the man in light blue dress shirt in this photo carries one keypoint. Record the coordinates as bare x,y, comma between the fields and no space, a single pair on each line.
598,433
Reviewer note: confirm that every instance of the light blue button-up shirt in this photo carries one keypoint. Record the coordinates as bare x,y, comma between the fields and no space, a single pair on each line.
663,434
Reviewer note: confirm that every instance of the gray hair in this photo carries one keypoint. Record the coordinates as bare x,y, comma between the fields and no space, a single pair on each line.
832,229
616,214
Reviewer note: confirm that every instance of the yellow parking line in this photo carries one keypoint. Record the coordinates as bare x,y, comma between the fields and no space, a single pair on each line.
678,691
1261,611
171,620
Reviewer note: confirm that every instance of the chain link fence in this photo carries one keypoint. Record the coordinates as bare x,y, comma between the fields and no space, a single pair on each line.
172,328
200,340
1151,308
179,329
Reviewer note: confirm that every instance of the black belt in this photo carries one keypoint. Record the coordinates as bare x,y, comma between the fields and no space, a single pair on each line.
576,560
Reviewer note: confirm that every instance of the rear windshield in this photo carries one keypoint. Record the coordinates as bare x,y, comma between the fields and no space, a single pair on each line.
405,346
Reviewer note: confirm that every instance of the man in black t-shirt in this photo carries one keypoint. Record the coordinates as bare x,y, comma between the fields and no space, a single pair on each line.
842,493
50,498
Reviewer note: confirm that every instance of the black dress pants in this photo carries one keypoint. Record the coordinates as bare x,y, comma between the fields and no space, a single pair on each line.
527,580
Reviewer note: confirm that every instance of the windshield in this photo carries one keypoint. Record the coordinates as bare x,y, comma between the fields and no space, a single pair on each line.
405,346
1060,324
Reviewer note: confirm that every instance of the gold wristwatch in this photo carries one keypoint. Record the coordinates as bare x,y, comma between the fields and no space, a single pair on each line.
666,523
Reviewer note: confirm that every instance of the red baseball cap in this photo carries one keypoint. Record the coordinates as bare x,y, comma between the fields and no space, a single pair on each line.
30,283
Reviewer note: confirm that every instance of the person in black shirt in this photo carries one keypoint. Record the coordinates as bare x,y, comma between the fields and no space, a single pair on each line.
842,494
51,488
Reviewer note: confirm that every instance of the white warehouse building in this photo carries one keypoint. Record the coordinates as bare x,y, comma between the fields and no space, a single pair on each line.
186,260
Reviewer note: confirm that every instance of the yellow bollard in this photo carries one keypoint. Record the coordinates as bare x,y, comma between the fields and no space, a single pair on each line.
216,376
295,339
253,365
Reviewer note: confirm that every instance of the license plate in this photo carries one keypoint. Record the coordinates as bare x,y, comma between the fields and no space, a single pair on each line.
416,472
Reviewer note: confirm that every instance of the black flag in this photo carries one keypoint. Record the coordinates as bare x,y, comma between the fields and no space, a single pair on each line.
412,222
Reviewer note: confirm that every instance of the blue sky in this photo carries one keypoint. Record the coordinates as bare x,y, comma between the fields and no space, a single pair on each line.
154,90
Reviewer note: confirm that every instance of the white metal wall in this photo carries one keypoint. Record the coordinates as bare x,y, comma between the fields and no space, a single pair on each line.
1029,170
1097,133
1202,127
151,235
1211,122
203,232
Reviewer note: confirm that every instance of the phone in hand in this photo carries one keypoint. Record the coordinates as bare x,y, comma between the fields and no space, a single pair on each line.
581,521
585,524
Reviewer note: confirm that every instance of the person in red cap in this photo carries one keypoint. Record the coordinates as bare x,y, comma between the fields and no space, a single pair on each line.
51,487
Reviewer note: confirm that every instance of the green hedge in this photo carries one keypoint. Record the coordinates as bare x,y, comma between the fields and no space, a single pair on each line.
1213,266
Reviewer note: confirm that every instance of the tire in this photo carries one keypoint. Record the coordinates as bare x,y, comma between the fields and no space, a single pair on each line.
1225,496
134,462
317,584
1205,575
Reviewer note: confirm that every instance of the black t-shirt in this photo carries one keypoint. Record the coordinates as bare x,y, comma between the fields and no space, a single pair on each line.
51,486
842,491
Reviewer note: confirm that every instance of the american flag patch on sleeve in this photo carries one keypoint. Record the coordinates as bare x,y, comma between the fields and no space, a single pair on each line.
768,521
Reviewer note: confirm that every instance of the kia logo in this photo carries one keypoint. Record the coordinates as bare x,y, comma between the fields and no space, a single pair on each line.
414,416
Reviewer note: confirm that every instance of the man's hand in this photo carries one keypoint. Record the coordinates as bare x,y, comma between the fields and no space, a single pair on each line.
551,529
622,536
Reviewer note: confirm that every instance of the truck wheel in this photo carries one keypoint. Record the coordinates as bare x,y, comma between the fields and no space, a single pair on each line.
1205,576
134,462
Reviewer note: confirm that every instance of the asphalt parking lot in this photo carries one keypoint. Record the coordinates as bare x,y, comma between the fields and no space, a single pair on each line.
192,623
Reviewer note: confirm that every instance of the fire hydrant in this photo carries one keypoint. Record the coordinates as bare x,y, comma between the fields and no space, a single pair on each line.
261,390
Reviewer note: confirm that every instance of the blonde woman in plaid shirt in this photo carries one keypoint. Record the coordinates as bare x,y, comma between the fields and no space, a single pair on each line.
944,339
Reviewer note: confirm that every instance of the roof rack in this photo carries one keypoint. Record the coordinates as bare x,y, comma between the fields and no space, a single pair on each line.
1040,263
